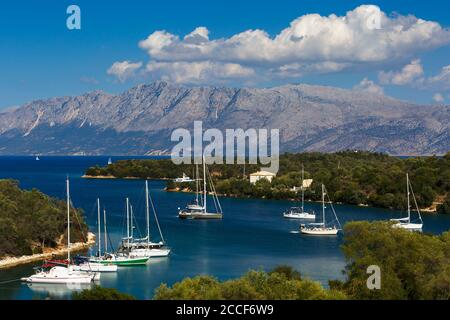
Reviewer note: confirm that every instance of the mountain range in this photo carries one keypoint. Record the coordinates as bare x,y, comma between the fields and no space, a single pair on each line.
140,120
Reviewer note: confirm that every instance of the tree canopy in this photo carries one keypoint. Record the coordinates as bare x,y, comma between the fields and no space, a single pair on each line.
413,265
283,283
351,177
31,220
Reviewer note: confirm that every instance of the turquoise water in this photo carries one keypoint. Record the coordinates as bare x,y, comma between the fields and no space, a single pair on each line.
252,234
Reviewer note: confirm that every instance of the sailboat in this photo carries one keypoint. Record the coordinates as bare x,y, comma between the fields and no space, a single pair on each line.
62,272
300,213
405,222
124,256
37,158
145,247
109,161
85,264
197,211
322,228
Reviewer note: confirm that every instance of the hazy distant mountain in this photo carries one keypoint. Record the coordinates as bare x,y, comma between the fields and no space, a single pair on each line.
140,120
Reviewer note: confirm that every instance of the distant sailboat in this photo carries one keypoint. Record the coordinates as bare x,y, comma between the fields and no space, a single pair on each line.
405,223
300,213
197,211
110,161
62,272
323,228
37,158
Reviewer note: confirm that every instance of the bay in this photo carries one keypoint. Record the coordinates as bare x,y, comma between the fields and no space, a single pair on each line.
252,235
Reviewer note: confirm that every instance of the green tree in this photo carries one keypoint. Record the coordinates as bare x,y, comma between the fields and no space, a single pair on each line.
413,265
99,293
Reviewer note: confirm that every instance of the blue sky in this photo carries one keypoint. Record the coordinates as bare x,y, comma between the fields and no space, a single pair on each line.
40,57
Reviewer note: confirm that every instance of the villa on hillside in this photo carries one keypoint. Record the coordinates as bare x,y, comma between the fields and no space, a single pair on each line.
306,184
256,176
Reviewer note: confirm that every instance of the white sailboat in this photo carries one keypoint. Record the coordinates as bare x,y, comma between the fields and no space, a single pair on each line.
323,228
145,247
110,161
124,255
37,158
197,211
90,264
405,223
63,273
300,213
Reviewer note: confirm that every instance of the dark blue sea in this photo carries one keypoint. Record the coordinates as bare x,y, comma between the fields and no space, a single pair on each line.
252,235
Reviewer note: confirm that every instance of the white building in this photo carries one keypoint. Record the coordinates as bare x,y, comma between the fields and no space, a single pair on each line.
306,184
261,175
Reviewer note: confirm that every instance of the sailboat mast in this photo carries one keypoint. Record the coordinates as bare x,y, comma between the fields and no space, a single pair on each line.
104,230
128,221
131,221
196,183
303,190
147,212
204,184
99,228
68,219
323,204
407,195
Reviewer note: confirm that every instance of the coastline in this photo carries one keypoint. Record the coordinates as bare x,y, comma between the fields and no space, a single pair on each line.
85,176
9,262
429,210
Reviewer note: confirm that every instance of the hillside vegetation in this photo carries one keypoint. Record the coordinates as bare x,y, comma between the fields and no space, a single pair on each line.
351,177
31,221
413,266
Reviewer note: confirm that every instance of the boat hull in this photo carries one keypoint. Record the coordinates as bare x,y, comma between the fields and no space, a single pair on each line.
199,216
320,231
82,279
152,253
127,261
95,267
301,216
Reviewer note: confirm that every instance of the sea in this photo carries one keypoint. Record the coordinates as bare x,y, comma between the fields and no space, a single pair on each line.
252,234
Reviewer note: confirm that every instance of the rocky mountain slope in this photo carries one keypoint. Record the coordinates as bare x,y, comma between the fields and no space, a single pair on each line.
140,120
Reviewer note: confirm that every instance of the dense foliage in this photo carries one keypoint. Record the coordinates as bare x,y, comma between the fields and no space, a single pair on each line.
99,293
283,283
350,177
444,208
413,265
30,221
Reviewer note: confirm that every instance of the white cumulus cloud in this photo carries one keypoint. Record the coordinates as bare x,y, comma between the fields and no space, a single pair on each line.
437,97
124,69
441,80
197,72
368,86
311,43
406,75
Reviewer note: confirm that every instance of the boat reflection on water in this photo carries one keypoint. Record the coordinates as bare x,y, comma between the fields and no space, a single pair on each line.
57,291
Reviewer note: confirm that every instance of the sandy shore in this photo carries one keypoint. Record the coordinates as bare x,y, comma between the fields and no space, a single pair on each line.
9,262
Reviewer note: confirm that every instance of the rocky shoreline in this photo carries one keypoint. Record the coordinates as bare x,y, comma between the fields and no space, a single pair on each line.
9,262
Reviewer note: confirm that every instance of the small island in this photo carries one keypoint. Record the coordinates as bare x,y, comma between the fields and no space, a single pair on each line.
352,177
33,226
